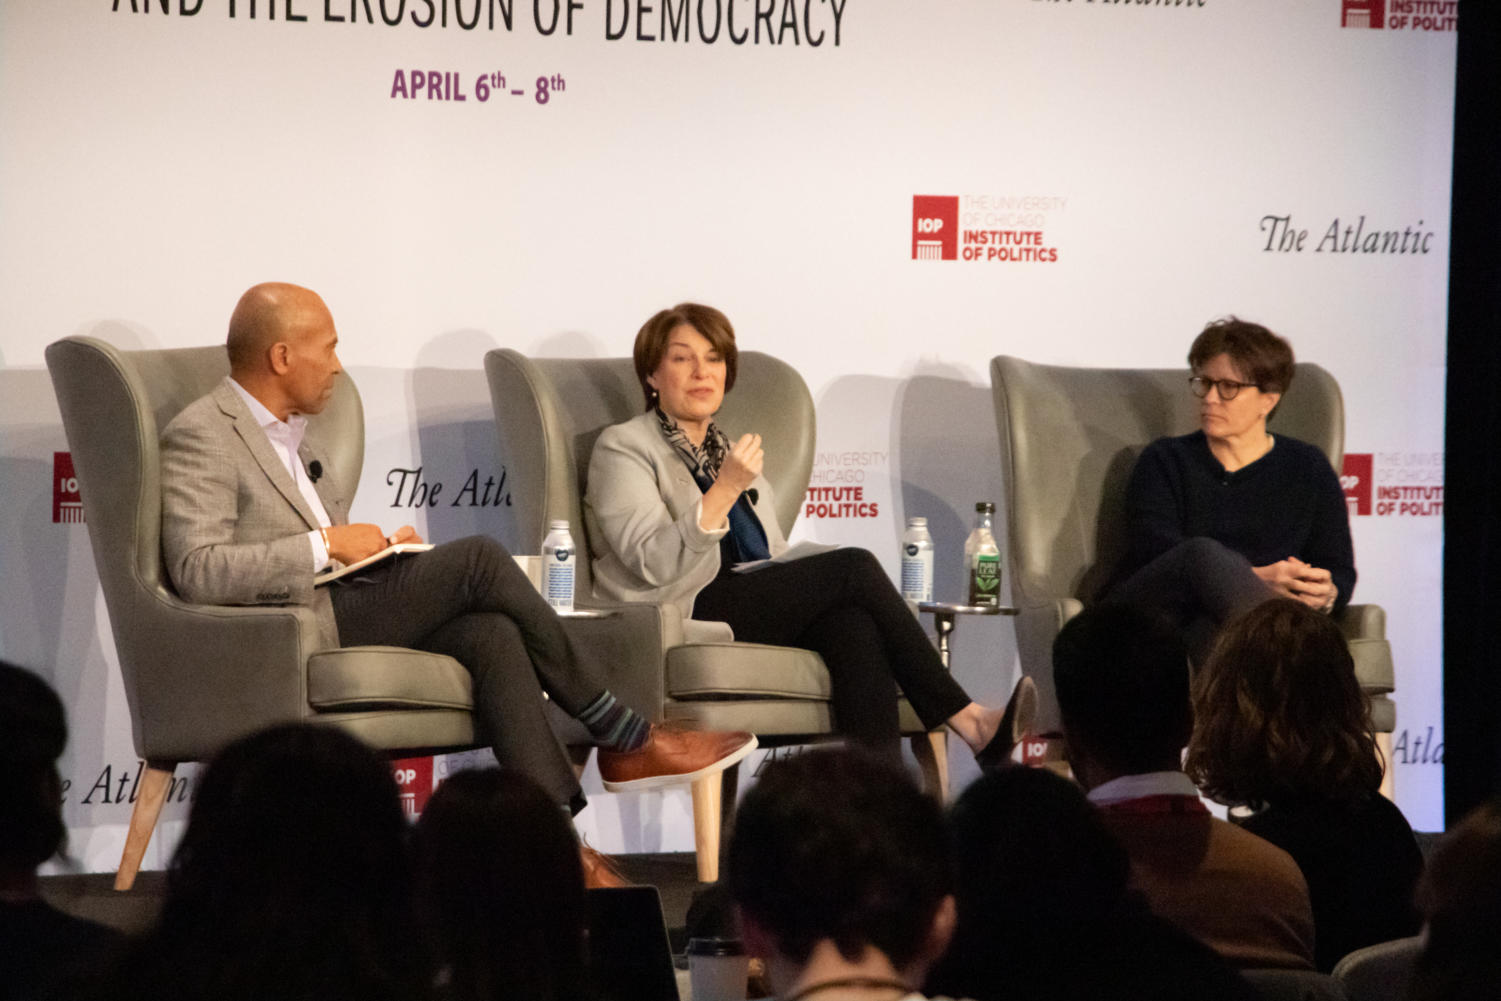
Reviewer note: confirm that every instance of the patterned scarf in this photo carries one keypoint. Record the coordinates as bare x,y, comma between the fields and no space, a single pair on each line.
703,461
746,540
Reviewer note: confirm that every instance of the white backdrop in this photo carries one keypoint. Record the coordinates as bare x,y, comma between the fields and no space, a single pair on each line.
159,156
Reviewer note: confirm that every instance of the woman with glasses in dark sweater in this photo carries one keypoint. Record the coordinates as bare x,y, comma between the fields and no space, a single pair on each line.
1229,516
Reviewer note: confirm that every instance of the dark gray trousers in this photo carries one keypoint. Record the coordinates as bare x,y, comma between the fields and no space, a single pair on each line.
1200,584
842,605
469,600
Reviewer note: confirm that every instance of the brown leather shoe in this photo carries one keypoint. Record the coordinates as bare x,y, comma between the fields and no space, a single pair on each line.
600,871
671,756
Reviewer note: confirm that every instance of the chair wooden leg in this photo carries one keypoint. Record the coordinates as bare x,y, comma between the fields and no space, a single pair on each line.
1388,774
156,780
932,753
707,800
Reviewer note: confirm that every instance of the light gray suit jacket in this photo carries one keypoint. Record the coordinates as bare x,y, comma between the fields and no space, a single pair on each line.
234,525
641,512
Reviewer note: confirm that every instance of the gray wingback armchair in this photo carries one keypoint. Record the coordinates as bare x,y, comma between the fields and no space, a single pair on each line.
1069,438
198,676
548,414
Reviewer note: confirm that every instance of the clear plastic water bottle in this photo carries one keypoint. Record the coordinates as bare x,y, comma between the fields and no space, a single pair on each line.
558,559
917,561
982,559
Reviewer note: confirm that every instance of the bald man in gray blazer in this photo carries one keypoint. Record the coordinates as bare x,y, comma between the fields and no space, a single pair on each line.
235,526
251,511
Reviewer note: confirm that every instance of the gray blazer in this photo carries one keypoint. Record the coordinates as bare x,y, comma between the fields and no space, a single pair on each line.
234,525
641,514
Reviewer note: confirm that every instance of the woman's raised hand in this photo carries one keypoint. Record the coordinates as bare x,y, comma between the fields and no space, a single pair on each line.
741,466
743,463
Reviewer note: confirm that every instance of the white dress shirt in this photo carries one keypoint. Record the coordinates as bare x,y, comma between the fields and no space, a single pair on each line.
286,438
1129,787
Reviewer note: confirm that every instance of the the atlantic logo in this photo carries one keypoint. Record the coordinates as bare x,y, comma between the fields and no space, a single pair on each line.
1284,236
999,228
1400,15
1411,484
67,505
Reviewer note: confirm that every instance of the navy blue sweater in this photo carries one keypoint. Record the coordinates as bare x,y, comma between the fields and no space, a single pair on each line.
1286,503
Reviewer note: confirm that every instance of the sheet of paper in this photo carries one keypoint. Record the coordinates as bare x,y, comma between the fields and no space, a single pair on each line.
797,552
328,576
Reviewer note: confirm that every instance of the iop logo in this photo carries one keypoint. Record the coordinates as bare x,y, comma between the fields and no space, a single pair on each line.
414,784
1362,14
67,505
935,227
1355,478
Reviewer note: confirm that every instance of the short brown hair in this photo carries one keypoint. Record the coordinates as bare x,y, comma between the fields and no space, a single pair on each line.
1279,713
1261,356
651,341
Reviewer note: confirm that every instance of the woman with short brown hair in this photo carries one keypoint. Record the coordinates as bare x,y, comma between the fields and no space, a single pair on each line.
673,504
1281,726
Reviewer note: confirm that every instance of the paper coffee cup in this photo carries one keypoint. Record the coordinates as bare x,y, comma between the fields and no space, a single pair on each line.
717,969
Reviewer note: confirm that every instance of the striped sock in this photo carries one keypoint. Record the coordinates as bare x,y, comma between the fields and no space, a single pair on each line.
613,725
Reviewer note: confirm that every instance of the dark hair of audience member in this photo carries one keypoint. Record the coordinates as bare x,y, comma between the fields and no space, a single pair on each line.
1026,835
1279,714
290,882
500,891
32,737
1044,907
44,952
1121,676
838,844
1460,896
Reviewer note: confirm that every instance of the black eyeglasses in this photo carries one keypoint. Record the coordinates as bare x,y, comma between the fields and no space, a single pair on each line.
1227,388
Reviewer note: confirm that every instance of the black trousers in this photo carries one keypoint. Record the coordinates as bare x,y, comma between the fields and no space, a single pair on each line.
842,605
1199,584
468,599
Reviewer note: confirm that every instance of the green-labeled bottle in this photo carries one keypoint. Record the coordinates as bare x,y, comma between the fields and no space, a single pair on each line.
982,559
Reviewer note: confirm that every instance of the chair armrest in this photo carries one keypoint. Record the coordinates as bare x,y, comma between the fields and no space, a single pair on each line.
1363,622
676,630
706,631
629,648
198,676
626,649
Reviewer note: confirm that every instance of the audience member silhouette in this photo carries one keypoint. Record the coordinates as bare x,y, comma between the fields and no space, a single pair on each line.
290,882
1460,897
1121,676
841,870
44,953
500,891
1044,909
1282,727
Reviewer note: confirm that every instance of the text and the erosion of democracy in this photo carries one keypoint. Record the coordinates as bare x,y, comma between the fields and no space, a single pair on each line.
812,23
